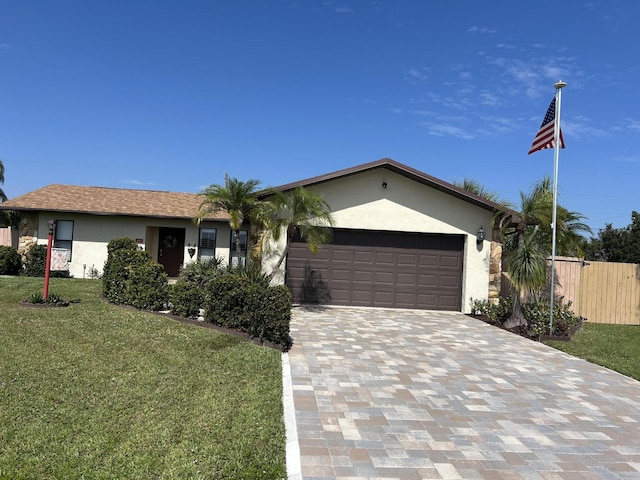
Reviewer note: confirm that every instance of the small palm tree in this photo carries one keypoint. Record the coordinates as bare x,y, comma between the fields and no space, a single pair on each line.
299,212
529,243
236,198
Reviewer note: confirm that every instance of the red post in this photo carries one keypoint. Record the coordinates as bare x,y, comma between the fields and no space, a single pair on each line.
47,267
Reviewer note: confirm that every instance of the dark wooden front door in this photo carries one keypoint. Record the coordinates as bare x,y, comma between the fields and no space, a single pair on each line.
171,250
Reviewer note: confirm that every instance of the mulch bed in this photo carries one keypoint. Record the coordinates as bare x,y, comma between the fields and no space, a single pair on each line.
522,331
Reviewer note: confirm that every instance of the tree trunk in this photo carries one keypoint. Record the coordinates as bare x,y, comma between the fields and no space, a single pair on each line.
277,266
517,318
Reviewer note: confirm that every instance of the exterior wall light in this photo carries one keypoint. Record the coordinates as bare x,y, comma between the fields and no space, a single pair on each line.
191,250
384,184
480,237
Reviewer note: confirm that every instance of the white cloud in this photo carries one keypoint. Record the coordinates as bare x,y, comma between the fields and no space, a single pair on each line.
488,98
484,30
442,130
629,159
137,182
633,125
343,10
417,73
579,126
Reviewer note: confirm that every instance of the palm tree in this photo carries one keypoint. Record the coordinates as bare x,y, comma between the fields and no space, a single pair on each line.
529,243
299,212
237,198
503,213
3,197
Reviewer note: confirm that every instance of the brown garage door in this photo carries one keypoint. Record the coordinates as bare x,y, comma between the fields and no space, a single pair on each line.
379,269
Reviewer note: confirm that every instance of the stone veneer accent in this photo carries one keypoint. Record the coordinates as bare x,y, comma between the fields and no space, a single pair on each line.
27,233
495,272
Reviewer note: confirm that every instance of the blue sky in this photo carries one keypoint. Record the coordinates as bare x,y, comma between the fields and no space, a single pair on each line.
170,95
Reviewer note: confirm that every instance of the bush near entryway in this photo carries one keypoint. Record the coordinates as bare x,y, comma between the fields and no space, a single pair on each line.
131,277
235,301
10,261
186,296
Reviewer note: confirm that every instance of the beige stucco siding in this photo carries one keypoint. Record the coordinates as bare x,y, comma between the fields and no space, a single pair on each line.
360,202
92,233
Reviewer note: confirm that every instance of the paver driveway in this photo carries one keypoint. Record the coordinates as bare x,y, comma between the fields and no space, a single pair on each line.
412,395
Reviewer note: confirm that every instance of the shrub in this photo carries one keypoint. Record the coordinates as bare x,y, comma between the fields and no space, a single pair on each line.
225,301
235,301
147,287
497,314
270,313
201,272
537,315
131,277
121,244
186,298
10,261
36,262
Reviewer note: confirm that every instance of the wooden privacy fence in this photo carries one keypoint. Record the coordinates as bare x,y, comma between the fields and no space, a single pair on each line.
8,237
601,292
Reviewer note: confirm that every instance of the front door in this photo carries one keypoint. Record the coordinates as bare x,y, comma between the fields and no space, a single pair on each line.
171,250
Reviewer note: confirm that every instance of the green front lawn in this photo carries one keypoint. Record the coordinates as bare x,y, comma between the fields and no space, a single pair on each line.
613,346
99,391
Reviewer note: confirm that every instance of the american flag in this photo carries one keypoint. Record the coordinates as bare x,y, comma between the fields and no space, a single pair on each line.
545,136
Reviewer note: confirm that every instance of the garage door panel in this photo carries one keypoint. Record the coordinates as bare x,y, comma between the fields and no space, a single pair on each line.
425,260
384,278
385,269
406,279
385,259
408,259
449,281
449,261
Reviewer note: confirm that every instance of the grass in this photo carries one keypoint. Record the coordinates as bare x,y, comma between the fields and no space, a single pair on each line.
616,347
97,391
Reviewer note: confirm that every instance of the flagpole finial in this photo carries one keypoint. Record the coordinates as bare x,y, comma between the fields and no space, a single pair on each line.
560,84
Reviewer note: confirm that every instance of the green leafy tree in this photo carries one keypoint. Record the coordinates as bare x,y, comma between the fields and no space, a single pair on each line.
237,198
299,212
617,244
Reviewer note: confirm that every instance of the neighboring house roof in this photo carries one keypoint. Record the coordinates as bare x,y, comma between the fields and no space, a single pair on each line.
401,169
110,201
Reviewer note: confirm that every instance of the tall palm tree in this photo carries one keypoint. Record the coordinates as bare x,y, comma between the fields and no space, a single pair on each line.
503,214
299,212
236,198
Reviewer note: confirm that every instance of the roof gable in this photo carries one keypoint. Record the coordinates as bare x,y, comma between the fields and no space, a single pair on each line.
110,201
398,168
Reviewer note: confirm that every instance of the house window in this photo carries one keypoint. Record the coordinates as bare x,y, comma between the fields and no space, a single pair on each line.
239,258
63,237
207,244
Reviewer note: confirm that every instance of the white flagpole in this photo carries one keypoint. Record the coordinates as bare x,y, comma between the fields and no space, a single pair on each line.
556,157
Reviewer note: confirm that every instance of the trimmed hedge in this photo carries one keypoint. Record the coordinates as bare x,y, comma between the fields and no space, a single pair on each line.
225,302
270,313
186,298
262,311
131,277
10,261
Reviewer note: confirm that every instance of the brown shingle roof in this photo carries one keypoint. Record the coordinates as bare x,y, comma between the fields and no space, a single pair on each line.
110,201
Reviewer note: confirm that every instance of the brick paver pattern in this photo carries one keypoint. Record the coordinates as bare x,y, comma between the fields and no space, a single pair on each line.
399,394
